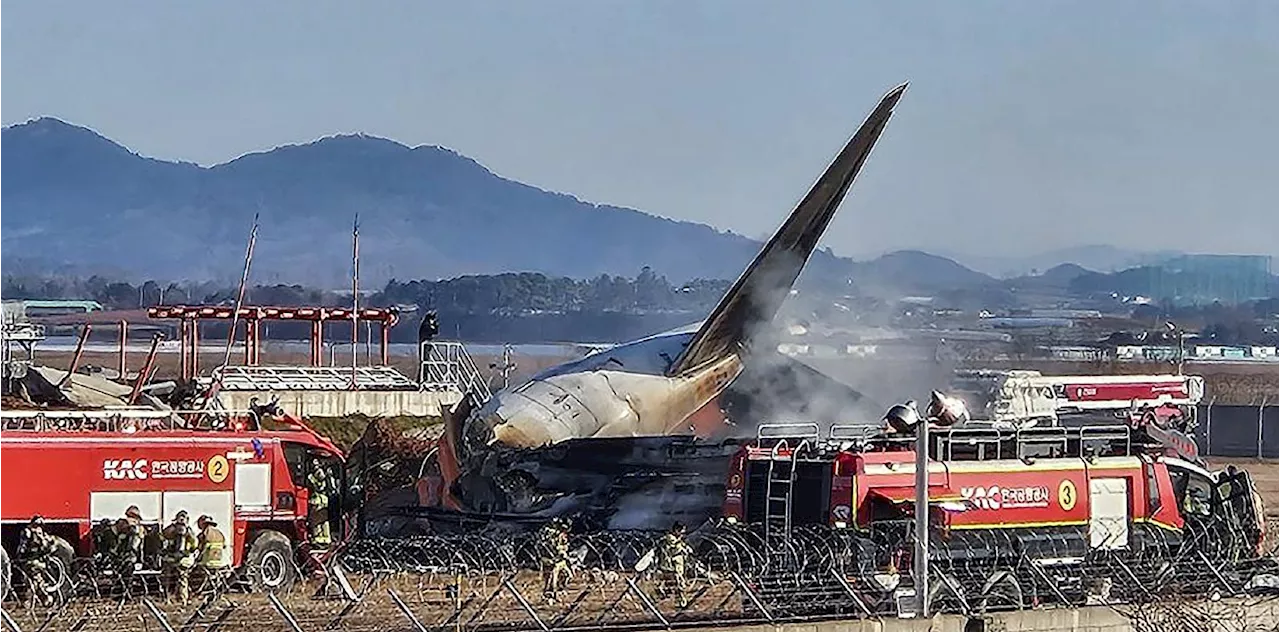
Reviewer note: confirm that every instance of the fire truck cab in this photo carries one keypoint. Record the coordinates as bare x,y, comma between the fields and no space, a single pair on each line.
78,469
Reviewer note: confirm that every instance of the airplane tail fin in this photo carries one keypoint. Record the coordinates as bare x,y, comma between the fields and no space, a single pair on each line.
758,294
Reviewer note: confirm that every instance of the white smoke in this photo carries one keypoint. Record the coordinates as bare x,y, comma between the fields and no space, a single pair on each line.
882,381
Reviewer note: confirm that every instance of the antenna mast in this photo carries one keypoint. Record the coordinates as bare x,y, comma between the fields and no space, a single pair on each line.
212,394
244,280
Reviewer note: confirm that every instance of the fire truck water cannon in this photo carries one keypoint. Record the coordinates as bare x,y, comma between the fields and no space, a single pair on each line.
942,411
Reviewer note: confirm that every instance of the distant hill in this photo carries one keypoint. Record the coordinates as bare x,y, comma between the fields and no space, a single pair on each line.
76,200
1094,257
915,271
1055,279
74,197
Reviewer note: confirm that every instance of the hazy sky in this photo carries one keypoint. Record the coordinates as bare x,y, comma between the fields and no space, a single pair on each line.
1029,125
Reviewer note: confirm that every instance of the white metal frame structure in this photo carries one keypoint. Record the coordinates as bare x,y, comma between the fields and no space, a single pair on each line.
446,366
19,335
308,378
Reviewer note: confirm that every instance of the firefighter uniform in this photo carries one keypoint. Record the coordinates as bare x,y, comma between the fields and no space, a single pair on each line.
35,552
209,546
127,552
321,486
672,553
104,544
553,550
180,547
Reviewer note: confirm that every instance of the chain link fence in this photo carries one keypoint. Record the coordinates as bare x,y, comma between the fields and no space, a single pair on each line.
1240,431
479,582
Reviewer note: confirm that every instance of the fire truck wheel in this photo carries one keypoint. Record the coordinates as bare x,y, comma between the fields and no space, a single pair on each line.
271,562
6,574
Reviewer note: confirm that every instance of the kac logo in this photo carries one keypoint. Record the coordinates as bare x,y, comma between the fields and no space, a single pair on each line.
984,497
113,469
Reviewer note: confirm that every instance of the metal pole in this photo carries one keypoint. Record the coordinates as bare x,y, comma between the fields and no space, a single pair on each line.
368,343
75,359
1208,427
355,295
1261,407
920,565
244,280
124,337
182,348
1181,351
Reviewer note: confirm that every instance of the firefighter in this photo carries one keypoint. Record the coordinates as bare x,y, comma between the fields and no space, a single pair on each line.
1196,502
672,553
104,543
136,533
180,548
209,546
321,485
553,550
126,555
35,552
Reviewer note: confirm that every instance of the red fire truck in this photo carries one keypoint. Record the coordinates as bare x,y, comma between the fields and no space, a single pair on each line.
78,468
1020,509
1021,396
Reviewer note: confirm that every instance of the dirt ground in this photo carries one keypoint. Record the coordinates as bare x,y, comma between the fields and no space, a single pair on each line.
484,601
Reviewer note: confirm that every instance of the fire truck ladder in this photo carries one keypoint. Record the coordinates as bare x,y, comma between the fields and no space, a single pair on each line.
781,477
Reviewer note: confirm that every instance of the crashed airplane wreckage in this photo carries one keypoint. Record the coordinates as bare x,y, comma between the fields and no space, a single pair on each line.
613,438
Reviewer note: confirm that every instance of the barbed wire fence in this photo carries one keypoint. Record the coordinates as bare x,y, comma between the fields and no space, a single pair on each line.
481,582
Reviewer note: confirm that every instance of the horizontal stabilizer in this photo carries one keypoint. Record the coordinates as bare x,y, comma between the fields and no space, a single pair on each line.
758,294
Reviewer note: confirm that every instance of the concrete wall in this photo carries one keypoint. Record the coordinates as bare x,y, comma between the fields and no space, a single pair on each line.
1224,616
342,403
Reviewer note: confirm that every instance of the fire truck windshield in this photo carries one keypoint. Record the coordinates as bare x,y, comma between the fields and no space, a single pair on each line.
299,457
1194,490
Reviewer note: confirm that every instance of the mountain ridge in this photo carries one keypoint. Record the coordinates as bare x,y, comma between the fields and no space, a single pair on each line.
426,212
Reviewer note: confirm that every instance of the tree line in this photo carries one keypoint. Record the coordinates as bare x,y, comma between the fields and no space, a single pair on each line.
512,294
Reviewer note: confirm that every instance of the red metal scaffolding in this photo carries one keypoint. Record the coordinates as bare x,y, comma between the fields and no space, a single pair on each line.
190,315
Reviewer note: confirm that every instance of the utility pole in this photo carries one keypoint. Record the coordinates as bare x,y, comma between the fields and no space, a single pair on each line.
1177,331
920,558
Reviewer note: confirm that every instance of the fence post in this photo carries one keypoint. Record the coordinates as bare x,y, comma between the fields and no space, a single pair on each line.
1262,407
752,596
284,612
155,612
13,625
404,608
524,604
648,603
1208,427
